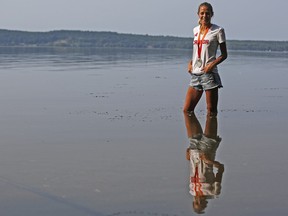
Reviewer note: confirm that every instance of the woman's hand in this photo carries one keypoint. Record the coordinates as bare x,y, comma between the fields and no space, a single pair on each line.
208,68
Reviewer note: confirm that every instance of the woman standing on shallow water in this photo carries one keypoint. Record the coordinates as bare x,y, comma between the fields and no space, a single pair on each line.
203,66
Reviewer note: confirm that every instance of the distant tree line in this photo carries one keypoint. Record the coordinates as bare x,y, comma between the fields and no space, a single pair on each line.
66,38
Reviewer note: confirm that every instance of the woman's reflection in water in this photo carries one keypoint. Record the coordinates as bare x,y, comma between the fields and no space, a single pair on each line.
205,172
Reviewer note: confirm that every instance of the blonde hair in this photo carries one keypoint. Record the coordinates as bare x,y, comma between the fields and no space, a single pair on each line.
208,5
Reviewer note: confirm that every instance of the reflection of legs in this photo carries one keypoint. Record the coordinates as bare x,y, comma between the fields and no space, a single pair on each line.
192,125
193,128
212,101
211,127
192,98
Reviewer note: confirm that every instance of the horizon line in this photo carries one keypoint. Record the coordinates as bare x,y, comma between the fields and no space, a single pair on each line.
126,33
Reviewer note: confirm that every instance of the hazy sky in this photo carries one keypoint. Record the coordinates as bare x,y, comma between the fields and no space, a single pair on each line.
242,19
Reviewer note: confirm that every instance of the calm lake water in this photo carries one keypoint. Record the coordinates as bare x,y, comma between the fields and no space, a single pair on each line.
101,132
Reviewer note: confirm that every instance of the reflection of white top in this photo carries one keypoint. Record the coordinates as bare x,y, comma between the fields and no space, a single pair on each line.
208,190
213,38
202,177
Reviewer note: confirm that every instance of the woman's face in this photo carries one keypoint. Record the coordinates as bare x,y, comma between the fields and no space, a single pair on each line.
204,15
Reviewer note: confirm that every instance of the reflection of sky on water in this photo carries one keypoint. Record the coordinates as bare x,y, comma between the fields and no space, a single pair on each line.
105,131
84,58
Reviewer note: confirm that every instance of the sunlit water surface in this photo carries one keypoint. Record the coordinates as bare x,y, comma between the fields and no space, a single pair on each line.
101,132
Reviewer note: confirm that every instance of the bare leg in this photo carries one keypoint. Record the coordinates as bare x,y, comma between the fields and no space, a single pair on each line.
212,101
192,98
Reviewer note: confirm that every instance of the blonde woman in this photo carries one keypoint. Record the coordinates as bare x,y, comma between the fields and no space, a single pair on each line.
208,38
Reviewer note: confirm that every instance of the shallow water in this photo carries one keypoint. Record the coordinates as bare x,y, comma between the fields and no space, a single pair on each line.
101,132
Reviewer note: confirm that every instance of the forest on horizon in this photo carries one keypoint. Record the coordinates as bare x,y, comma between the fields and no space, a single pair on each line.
68,38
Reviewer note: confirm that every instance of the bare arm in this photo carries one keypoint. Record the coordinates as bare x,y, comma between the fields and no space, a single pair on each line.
190,67
208,68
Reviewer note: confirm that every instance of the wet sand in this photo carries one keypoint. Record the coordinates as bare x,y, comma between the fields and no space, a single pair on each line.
84,138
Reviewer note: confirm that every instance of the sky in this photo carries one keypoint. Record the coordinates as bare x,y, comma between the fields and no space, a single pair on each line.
241,19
